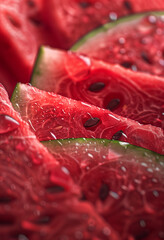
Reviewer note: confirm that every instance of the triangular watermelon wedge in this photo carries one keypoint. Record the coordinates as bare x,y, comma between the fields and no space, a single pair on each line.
38,198
124,182
53,116
134,42
133,95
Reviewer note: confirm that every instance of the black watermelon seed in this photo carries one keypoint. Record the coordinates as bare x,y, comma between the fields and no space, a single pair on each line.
142,235
6,220
91,122
145,57
126,64
117,135
128,5
31,3
104,192
96,87
43,220
83,197
35,21
113,104
5,199
84,4
55,189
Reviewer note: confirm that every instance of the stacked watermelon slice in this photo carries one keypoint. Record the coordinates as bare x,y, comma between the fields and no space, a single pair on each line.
82,145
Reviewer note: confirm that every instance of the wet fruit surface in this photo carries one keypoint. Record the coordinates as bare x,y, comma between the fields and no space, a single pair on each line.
134,44
66,118
32,178
78,15
133,95
126,193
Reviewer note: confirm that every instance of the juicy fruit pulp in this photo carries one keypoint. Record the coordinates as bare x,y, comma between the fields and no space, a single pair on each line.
21,34
80,16
136,96
128,195
52,116
125,183
134,42
32,178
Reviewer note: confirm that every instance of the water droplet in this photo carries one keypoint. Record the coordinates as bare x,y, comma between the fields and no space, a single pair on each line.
91,122
161,62
114,195
106,231
7,124
150,170
90,155
123,168
113,16
144,164
142,223
121,40
96,87
113,104
156,193
22,237
134,68
152,19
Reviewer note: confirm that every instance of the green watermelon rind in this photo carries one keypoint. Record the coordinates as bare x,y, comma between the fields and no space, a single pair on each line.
107,26
14,96
122,148
39,67
35,70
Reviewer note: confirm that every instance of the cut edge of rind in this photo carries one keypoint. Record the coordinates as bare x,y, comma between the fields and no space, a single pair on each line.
36,63
111,25
105,142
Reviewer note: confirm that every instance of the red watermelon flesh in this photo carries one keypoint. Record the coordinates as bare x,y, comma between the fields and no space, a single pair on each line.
75,18
37,197
6,78
130,196
135,42
21,34
137,96
53,116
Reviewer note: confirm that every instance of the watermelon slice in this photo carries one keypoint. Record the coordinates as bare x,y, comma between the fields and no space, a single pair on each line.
53,116
124,182
137,96
129,195
134,42
21,34
81,155
38,198
82,16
